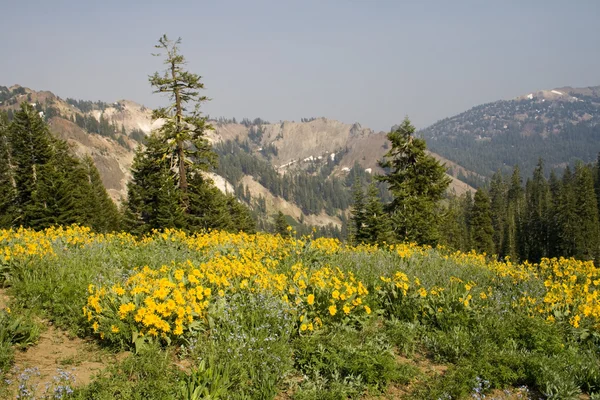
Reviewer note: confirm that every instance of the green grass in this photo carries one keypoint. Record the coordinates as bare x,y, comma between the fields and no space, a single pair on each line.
252,348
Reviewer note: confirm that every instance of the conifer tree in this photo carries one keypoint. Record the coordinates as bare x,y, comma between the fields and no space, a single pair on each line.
240,216
183,130
7,188
587,229
152,199
376,220
358,221
481,223
536,224
597,182
281,225
30,150
498,198
103,213
168,187
514,213
554,216
567,218
417,182
450,227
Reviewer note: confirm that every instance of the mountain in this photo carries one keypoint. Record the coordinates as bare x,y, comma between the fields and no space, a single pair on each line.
301,168
561,126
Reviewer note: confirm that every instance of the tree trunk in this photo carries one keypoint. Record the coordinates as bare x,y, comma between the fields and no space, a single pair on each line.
180,152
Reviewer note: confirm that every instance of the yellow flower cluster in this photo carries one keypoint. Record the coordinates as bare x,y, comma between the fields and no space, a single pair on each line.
171,299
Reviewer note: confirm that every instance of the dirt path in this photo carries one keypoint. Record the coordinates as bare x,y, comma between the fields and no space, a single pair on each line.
56,351
3,299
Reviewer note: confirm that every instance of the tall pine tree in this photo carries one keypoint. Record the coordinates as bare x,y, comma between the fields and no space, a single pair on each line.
168,188
587,229
482,230
358,221
376,220
7,187
417,182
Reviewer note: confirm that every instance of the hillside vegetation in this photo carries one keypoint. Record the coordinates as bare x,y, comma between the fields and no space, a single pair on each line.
560,125
262,317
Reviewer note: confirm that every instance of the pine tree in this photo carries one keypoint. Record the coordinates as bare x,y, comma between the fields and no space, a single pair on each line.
514,214
183,132
240,216
30,150
152,199
597,182
587,229
358,221
536,225
417,182
481,224
281,225
168,187
103,215
453,228
567,218
554,216
498,198
7,187
376,220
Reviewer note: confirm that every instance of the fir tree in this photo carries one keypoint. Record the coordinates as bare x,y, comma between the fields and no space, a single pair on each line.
453,228
554,216
481,223
597,182
498,198
511,242
587,230
104,215
168,187
183,131
376,220
417,182
7,187
30,150
152,199
536,224
281,225
567,217
358,221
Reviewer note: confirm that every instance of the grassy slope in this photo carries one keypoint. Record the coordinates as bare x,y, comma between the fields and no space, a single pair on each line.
283,318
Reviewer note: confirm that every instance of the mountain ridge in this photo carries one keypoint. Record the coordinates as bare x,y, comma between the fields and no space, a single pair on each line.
559,125
110,132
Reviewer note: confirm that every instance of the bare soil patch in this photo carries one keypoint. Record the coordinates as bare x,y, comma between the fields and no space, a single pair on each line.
56,351
4,300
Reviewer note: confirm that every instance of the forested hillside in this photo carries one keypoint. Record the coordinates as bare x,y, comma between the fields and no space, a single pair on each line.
561,126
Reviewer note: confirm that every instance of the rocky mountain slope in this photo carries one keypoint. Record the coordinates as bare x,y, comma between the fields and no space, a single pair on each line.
110,132
559,125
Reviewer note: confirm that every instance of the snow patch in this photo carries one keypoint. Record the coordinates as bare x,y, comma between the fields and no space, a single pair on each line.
345,169
530,96
311,158
368,170
332,156
557,92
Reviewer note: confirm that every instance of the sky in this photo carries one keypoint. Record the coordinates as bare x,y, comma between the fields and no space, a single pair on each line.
368,61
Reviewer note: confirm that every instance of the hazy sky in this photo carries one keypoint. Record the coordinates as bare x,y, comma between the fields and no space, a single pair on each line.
371,61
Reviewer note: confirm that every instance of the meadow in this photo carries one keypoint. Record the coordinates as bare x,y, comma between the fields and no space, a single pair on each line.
235,316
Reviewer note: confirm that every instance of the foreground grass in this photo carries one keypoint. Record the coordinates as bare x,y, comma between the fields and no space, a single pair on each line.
259,316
